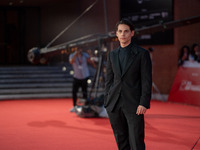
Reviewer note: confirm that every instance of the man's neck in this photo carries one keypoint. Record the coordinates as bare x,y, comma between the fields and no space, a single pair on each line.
124,44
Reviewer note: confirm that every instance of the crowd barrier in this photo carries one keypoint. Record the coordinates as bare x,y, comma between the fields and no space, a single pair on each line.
186,85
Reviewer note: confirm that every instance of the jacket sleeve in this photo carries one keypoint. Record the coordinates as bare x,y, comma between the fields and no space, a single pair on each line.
109,77
146,79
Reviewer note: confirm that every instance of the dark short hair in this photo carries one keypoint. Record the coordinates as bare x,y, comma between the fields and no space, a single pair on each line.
126,22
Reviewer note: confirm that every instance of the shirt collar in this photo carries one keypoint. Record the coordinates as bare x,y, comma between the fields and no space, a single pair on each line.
126,48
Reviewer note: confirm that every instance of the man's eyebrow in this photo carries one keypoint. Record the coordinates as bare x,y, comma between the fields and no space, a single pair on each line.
123,30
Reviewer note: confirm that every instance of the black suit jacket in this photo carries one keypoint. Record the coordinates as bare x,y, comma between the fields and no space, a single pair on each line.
134,84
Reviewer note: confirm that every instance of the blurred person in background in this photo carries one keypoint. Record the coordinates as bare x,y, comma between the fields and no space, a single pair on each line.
79,61
195,52
184,55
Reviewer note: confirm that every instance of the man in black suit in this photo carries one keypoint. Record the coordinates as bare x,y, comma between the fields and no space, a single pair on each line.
128,89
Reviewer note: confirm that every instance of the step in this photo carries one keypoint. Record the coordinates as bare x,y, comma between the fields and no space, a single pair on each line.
11,76
35,80
34,68
35,85
41,95
42,90
34,90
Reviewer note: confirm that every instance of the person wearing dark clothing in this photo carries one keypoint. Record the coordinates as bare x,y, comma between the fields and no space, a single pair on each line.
184,55
128,89
195,52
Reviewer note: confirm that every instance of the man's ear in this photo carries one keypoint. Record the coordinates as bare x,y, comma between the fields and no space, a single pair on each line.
116,33
132,33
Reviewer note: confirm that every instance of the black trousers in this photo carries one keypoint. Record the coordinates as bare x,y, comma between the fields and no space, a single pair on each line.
77,83
128,129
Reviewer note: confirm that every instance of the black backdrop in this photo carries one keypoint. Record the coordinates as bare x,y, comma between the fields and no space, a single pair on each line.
144,13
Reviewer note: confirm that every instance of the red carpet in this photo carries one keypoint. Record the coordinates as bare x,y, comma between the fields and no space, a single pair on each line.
48,125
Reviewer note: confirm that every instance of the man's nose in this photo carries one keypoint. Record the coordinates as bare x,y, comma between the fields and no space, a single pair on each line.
123,33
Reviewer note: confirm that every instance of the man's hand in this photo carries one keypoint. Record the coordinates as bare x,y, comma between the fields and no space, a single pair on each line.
141,110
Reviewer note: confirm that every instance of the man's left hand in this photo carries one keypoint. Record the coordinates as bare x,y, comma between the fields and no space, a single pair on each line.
141,110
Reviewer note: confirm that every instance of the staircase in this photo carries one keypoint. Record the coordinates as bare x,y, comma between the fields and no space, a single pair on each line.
36,82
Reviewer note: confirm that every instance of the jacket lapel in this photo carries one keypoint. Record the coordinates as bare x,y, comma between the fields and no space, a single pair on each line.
116,61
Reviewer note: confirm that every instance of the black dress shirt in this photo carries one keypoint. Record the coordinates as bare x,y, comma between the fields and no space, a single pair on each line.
123,55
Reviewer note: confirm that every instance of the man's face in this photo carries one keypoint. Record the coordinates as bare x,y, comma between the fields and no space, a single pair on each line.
124,34
79,50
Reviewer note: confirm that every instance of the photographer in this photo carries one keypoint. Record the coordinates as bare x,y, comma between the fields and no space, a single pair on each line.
79,61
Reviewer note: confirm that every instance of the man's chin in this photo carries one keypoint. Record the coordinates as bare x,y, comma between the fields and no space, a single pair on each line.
123,42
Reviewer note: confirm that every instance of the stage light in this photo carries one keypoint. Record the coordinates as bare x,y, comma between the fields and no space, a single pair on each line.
64,68
96,52
89,81
105,49
71,72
